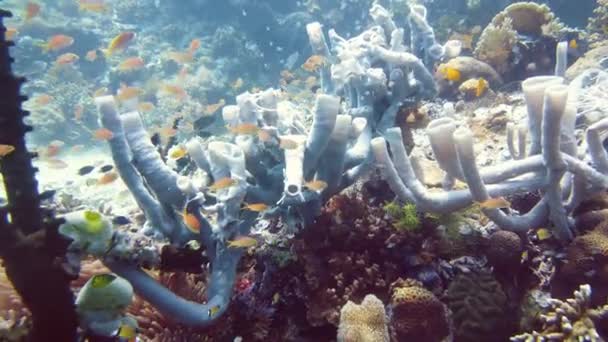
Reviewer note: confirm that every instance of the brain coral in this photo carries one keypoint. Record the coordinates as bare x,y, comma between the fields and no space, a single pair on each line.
479,308
363,323
504,248
496,43
528,18
416,314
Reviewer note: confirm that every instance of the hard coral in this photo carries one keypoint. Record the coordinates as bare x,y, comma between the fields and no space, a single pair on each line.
479,307
469,68
416,314
504,249
527,18
570,320
597,23
363,323
345,255
496,43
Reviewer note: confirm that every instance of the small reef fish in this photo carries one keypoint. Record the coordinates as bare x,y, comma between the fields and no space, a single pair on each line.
313,63
316,185
126,93
465,38
190,220
100,92
242,242
97,6
244,129
223,183
449,73
119,42
56,164
91,55
42,100
131,64
120,220
127,333
257,207
103,134
287,144
57,42
173,90
5,150
11,33
213,311
195,44
102,280
85,170
573,44
275,298
482,86
67,58
212,108
107,178
543,234
145,107
177,153
32,9
180,57
238,84
167,132
106,168
495,203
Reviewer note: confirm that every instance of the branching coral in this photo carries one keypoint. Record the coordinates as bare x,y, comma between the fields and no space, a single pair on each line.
569,320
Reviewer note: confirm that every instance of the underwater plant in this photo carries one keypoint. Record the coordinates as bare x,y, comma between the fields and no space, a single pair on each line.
405,217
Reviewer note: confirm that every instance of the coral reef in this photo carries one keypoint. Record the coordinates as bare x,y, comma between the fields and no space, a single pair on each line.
597,23
569,320
504,249
415,313
479,307
365,322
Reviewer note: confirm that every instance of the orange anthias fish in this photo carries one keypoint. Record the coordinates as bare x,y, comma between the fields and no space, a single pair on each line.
180,57
495,203
223,183
316,185
242,242
56,164
126,93
256,207
174,90
212,108
67,58
97,6
32,10
5,150
119,42
42,100
191,222
313,63
57,42
130,64
195,44
244,129
11,33
145,107
91,56
167,132
107,178
103,134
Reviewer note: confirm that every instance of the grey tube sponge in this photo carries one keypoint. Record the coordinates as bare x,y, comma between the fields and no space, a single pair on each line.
331,162
325,111
319,47
122,157
561,59
534,93
159,177
423,42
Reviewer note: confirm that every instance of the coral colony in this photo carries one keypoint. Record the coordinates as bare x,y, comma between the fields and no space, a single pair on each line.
292,173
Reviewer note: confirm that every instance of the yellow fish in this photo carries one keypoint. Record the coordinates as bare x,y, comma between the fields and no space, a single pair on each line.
573,44
313,63
316,185
257,207
242,242
450,74
495,203
238,84
543,234
288,144
102,280
119,42
482,86
244,129
213,311
5,150
177,153
223,183
127,332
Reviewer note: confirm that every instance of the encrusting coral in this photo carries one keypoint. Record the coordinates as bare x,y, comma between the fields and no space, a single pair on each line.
416,314
365,322
570,320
